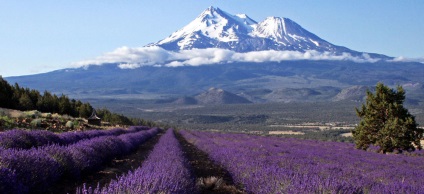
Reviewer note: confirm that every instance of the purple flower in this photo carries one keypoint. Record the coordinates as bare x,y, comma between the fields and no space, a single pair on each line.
164,171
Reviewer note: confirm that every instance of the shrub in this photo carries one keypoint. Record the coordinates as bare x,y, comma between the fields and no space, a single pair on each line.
70,125
36,123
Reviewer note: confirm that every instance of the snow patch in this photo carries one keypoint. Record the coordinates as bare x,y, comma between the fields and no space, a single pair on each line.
213,23
315,42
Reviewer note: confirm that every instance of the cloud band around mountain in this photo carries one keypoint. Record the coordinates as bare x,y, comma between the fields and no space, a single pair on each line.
131,58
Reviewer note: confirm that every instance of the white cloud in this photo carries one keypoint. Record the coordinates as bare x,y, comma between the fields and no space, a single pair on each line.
405,59
130,58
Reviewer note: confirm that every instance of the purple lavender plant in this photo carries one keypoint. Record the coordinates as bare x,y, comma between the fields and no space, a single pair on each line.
284,165
34,169
132,140
38,168
22,139
164,171
89,155
9,183
17,139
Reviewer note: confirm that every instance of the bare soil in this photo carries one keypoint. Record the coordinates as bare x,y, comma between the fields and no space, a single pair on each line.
204,168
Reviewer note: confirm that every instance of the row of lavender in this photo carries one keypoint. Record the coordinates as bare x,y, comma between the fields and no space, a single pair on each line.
283,165
35,170
27,139
164,171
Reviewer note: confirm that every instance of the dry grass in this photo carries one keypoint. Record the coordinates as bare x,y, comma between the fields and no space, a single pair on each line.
12,113
210,183
214,184
286,133
347,135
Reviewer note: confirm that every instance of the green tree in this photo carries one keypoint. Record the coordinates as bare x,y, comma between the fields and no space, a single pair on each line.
34,95
65,106
25,102
113,118
85,110
46,102
6,94
386,123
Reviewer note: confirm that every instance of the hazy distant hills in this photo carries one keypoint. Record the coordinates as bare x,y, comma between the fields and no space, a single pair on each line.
212,96
219,96
275,60
265,82
355,93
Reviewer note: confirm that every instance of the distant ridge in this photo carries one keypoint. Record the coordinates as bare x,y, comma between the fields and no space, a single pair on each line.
220,96
185,101
355,93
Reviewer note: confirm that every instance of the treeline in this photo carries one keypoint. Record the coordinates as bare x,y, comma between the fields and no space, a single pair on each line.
114,118
24,99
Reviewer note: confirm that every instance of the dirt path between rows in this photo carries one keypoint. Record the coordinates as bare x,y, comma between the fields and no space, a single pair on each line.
203,167
111,170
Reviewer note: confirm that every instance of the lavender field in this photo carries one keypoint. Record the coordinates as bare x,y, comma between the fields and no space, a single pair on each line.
282,165
35,161
67,155
165,171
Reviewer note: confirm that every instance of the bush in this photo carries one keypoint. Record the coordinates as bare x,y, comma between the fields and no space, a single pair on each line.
47,115
33,114
36,123
70,125
6,122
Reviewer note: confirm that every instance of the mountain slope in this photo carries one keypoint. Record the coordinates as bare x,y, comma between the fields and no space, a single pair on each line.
355,93
220,96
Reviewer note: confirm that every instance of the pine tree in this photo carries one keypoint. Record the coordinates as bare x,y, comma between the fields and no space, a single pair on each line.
64,105
6,94
386,123
25,102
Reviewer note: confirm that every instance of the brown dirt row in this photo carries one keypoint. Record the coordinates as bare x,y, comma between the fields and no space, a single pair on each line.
204,168
111,170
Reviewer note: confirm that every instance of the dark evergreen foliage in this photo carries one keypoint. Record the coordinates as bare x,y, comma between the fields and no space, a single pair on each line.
105,114
16,97
386,123
6,94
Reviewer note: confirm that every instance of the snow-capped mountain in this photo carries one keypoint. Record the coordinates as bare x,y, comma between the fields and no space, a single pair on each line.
215,28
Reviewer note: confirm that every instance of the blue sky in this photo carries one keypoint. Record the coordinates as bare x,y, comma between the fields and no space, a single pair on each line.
44,35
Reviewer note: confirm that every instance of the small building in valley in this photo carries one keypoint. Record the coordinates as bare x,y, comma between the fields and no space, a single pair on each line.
94,119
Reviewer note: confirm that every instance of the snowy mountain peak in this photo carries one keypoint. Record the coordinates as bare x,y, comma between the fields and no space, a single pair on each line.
210,13
274,27
246,19
289,33
211,27
215,28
